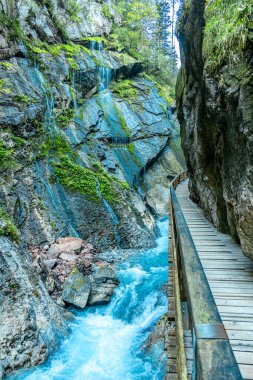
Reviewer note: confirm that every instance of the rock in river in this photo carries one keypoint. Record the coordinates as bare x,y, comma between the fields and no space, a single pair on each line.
76,290
104,281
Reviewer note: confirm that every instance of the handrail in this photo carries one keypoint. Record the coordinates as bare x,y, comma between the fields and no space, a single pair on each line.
213,356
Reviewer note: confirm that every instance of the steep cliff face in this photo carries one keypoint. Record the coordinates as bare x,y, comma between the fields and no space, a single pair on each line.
77,141
86,140
214,99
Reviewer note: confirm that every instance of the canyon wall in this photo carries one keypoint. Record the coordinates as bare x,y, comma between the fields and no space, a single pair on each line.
214,101
87,146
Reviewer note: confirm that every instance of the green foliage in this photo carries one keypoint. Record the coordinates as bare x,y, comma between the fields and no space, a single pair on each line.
7,227
4,86
226,31
7,160
138,35
13,26
167,92
73,10
64,118
106,11
131,34
85,181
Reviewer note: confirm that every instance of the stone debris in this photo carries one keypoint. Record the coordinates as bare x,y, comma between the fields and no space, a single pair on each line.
50,263
74,262
67,257
65,245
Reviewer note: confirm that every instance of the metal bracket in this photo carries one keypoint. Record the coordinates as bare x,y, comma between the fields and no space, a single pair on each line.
210,331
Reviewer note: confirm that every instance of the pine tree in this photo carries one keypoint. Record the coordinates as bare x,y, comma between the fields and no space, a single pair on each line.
163,7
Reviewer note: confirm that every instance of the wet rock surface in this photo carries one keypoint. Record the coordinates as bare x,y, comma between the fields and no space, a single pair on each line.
31,323
216,116
76,290
103,283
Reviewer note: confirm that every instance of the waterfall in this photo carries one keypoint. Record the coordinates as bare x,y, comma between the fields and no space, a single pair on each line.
112,214
67,224
49,117
104,73
51,126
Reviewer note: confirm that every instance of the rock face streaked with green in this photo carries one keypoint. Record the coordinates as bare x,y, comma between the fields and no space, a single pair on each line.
85,139
214,99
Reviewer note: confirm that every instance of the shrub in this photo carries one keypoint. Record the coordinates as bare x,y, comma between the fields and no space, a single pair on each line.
226,31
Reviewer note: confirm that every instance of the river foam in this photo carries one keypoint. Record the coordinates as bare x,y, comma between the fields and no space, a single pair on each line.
106,343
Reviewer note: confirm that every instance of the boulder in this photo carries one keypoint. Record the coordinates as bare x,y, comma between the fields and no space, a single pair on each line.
103,283
65,245
76,290
68,257
50,263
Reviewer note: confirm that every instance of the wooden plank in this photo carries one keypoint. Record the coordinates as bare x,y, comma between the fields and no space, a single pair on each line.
244,357
237,303
230,275
246,371
235,325
240,335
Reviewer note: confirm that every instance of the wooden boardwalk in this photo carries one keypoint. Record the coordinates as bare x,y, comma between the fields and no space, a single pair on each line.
230,276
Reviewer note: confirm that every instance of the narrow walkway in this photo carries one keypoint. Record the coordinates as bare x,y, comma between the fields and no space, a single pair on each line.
230,276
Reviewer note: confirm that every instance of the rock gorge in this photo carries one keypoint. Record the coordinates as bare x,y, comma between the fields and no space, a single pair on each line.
87,146
214,101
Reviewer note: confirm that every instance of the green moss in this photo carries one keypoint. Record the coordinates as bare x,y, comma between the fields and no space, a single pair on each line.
123,123
131,149
125,89
85,181
4,86
19,141
8,228
65,117
22,98
166,92
38,50
52,224
226,32
7,65
55,146
72,64
6,157
74,270
95,39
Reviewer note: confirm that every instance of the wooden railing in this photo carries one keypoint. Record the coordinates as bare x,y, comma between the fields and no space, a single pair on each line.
213,357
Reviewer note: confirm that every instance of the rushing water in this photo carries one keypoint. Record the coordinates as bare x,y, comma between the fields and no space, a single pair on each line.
106,343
